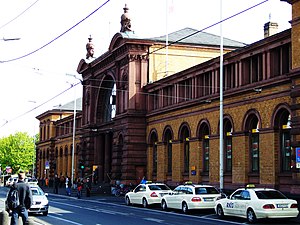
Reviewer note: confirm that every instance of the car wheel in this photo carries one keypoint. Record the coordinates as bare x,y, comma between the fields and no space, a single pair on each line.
251,217
185,208
220,211
127,201
145,203
164,205
45,213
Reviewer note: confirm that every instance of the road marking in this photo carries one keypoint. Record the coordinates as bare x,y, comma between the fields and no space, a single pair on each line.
95,209
68,221
154,220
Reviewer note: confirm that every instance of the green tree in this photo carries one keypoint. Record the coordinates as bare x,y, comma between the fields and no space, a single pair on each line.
17,151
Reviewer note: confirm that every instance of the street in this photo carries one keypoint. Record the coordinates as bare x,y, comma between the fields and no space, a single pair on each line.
110,210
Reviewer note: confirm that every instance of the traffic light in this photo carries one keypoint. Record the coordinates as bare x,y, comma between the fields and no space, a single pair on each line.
81,165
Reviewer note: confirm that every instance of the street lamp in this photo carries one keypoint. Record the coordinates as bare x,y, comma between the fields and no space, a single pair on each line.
34,140
74,127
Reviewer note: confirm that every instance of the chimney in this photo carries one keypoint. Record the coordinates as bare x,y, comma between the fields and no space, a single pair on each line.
270,28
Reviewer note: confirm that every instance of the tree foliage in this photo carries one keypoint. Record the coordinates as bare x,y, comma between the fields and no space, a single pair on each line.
17,151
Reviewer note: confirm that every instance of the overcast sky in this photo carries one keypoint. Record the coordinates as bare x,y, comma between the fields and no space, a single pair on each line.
53,35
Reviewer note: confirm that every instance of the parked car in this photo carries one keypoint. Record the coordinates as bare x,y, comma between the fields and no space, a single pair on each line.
147,194
40,200
11,180
257,203
191,196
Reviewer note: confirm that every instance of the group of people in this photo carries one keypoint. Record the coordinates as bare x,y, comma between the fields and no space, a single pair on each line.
78,184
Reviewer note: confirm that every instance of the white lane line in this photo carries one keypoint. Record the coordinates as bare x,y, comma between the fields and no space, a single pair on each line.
96,209
154,220
68,221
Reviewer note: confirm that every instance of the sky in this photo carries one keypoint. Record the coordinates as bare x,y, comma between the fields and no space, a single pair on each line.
38,70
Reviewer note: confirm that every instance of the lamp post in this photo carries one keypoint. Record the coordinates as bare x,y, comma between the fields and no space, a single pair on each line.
74,128
221,104
34,150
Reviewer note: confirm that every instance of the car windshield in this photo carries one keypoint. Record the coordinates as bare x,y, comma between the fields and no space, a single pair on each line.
37,191
157,187
270,194
206,190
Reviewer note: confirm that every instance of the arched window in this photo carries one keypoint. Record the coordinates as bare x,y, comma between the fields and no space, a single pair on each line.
283,124
168,142
185,138
228,145
204,136
285,144
253,125
153,144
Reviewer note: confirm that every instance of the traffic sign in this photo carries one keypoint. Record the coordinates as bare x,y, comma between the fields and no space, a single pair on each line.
298,155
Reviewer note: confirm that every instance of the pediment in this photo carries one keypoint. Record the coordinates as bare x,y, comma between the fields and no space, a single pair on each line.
82,66
116,41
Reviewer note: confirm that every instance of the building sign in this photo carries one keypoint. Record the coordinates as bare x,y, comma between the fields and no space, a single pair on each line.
47,165
298,157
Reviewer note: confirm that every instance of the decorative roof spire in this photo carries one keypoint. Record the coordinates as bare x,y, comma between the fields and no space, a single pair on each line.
90,49
125,20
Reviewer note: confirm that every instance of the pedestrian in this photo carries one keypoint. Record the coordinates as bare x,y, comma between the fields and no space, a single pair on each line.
88,186
79,188
25,200
144,180
56,184
68,186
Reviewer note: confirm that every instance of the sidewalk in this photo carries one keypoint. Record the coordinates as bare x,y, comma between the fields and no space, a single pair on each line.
98,192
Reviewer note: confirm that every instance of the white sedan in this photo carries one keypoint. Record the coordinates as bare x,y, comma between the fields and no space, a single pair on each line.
257,203
40,200
147,194
191,196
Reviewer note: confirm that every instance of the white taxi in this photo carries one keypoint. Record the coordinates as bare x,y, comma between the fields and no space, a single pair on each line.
191,196
257,203
40,200
147,194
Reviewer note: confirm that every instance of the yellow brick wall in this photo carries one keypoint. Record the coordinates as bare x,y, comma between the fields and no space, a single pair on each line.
267,158
240,143
240,159
295,35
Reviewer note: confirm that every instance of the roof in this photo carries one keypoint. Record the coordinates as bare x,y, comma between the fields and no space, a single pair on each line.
196,37
70,105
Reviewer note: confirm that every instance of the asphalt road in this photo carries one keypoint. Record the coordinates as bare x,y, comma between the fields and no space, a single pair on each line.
110,210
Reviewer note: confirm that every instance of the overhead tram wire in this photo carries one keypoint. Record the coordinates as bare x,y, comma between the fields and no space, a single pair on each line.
148,53
19,14
30,53
210,26
171,43
25,113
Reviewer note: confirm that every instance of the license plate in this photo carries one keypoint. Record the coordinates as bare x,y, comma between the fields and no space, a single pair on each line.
208,199
282,205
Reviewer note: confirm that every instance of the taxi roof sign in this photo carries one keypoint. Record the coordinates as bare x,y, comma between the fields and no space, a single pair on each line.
188,182
250,186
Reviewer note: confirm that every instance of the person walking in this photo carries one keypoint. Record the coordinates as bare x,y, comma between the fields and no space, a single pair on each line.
68,186
144,180
56,184
25,200
79,188
88,186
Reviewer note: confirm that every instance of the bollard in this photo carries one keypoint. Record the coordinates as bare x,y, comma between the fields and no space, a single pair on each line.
4,217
